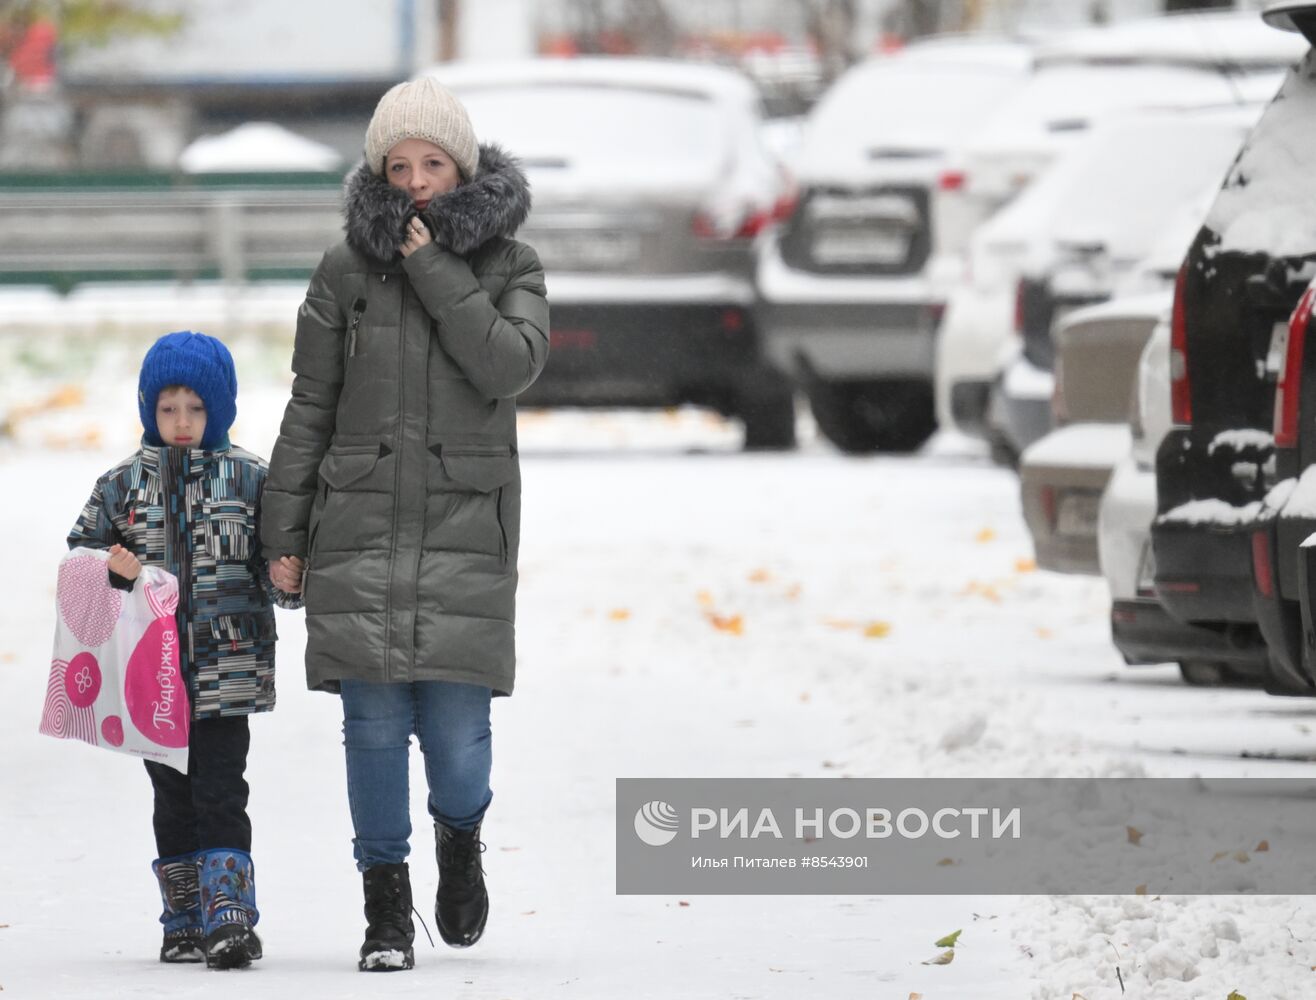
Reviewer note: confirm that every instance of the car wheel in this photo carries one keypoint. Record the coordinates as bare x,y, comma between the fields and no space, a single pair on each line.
767,408
1203,673
862,417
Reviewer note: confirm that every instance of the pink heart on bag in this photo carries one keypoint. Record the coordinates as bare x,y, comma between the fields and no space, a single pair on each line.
87,603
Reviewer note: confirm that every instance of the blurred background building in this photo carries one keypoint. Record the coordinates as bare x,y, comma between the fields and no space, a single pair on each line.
113,84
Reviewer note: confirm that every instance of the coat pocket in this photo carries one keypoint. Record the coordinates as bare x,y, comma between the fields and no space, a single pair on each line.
346,465
484,469
228,528
247,627
239,642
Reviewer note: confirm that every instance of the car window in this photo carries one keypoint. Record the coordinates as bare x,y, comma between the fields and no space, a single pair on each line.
1125,184
569,126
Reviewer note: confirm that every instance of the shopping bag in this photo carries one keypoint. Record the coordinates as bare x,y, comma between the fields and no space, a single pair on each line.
115,680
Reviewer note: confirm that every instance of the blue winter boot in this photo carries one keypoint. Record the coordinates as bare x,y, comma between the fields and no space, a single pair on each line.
228,908
180,893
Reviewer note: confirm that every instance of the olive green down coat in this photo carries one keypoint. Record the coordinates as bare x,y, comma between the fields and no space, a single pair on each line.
395,473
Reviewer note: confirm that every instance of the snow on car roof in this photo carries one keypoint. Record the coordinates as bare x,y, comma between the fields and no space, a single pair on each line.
1266,203
1119,186
893,111
1062,101
1239,38
986,52
673,75
1145,305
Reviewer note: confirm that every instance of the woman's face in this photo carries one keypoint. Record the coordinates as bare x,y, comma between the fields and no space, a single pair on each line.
421,169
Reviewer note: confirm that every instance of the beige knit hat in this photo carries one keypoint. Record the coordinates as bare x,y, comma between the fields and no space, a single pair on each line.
422,109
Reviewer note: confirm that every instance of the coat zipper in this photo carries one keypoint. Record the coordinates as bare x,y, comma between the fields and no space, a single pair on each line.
358,310
502,529
397,483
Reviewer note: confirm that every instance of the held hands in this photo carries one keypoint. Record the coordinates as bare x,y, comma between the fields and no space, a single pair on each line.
417,237
286,574
124,563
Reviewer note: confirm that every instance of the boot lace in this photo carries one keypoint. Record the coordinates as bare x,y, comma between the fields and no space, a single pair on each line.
462,856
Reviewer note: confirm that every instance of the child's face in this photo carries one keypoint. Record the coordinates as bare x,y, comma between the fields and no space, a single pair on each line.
180,416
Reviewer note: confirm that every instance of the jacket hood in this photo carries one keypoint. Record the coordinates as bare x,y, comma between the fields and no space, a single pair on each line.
495,202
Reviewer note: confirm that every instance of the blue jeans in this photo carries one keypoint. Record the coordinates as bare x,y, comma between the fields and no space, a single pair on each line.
451,723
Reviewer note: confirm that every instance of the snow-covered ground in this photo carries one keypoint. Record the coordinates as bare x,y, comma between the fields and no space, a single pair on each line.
685,610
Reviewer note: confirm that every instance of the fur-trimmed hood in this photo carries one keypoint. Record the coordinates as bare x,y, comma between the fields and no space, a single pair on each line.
495,202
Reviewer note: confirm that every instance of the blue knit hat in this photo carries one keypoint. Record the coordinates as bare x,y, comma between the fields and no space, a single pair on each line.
201,363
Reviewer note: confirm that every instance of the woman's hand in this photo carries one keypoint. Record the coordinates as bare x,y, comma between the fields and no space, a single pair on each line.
286,574
417,237
124,563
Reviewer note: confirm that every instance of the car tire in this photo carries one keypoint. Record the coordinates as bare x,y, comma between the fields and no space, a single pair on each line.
767,408
860,417
1203,673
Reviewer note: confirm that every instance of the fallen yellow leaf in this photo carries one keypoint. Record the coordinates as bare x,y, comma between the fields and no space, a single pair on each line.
1241,857
1025,565
985,535
1044,633
877,630
619,614
1140,890
1134,835
792,592
1218,855
1263,846
945,862
704,598
945,958
760,576
734,624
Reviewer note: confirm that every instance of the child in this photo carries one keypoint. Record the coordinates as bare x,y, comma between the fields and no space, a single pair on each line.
188,501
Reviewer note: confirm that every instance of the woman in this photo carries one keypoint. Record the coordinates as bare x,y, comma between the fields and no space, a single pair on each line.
395,479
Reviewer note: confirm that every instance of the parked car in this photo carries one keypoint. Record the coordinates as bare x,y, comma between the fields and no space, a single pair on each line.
651,182
1100,361
1109,200
1062,476
1217,467
1140,627
849,302
1181,61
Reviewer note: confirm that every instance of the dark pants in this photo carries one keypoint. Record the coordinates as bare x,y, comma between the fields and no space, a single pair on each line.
207,807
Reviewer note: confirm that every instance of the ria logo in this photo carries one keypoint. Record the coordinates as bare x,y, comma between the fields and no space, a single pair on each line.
656,823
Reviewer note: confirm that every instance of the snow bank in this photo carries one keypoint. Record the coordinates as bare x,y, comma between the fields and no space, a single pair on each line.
257,146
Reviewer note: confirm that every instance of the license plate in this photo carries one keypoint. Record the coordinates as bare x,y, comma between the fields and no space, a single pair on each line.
585,250
860,248
1077,514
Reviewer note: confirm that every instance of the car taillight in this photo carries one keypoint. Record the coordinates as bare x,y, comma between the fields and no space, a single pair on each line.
785,205
952,180
1262,572
1181,402
703,225
1288,390
1059,412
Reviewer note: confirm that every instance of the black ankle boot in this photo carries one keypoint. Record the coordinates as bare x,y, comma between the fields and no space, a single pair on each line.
462,906
389,930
